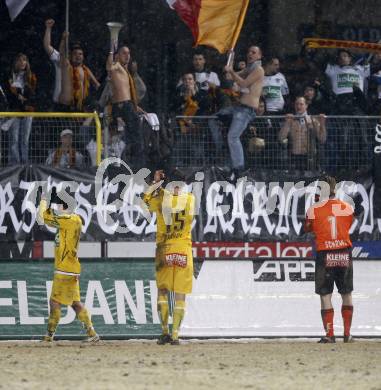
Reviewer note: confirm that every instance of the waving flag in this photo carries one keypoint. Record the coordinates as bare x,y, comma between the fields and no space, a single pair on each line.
215,23
15,7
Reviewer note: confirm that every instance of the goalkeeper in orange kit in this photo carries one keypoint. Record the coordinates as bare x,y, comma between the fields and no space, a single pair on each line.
331,220
65,290
174,262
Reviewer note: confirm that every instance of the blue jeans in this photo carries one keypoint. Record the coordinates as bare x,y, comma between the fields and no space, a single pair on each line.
241,116
19,133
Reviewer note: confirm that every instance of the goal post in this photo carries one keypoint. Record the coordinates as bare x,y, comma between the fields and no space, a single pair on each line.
39,133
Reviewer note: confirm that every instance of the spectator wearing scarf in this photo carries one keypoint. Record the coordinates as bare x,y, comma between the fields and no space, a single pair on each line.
125,105
65,156
75,80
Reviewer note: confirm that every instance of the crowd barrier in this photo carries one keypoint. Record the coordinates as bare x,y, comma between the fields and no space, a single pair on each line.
230,298
347,144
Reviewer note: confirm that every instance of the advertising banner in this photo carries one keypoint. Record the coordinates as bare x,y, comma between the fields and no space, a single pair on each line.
239,298
121,297
215,250
276,250
275,298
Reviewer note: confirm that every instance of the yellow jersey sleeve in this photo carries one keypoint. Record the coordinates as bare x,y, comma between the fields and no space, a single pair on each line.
41,210
54,220
153,200
67,238
49,217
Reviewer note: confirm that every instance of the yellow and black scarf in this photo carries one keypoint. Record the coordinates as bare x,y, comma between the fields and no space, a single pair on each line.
58,154
321,43
79,98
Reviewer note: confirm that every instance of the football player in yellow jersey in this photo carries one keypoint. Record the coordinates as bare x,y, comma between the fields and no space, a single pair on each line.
174,261
67,269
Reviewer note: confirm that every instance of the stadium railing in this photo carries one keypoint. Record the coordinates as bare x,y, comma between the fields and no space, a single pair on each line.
45,135
349,144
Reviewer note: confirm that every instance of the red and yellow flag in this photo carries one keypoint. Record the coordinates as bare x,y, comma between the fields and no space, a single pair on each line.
215,23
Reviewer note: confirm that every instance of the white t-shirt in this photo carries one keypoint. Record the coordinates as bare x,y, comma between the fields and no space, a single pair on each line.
274,88
343,77
55,58
18,81
114,149
203,77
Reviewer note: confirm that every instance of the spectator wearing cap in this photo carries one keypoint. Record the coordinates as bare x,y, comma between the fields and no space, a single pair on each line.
65,156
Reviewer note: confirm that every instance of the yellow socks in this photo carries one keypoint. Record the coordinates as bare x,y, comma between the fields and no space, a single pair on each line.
84,317
54,319
163,309
178,315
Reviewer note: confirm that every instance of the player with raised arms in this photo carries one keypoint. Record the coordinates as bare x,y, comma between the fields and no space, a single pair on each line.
67,268
174,208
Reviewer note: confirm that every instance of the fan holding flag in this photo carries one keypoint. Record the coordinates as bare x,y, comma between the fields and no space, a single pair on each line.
214,23
250,81
217,23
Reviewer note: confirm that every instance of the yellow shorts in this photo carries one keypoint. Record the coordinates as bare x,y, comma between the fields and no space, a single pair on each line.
65,289
174,268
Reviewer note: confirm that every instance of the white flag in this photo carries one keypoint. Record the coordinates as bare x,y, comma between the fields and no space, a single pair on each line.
15,7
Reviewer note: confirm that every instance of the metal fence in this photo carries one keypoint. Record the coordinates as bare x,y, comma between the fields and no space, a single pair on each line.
269,142
43,138
275,142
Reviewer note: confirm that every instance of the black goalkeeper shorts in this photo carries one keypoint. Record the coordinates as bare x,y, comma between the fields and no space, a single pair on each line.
334,267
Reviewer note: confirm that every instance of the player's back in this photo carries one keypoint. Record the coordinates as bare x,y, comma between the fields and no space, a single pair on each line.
331,222
178,212
174,215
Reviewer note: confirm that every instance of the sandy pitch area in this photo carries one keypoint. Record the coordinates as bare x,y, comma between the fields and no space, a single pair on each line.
235,364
